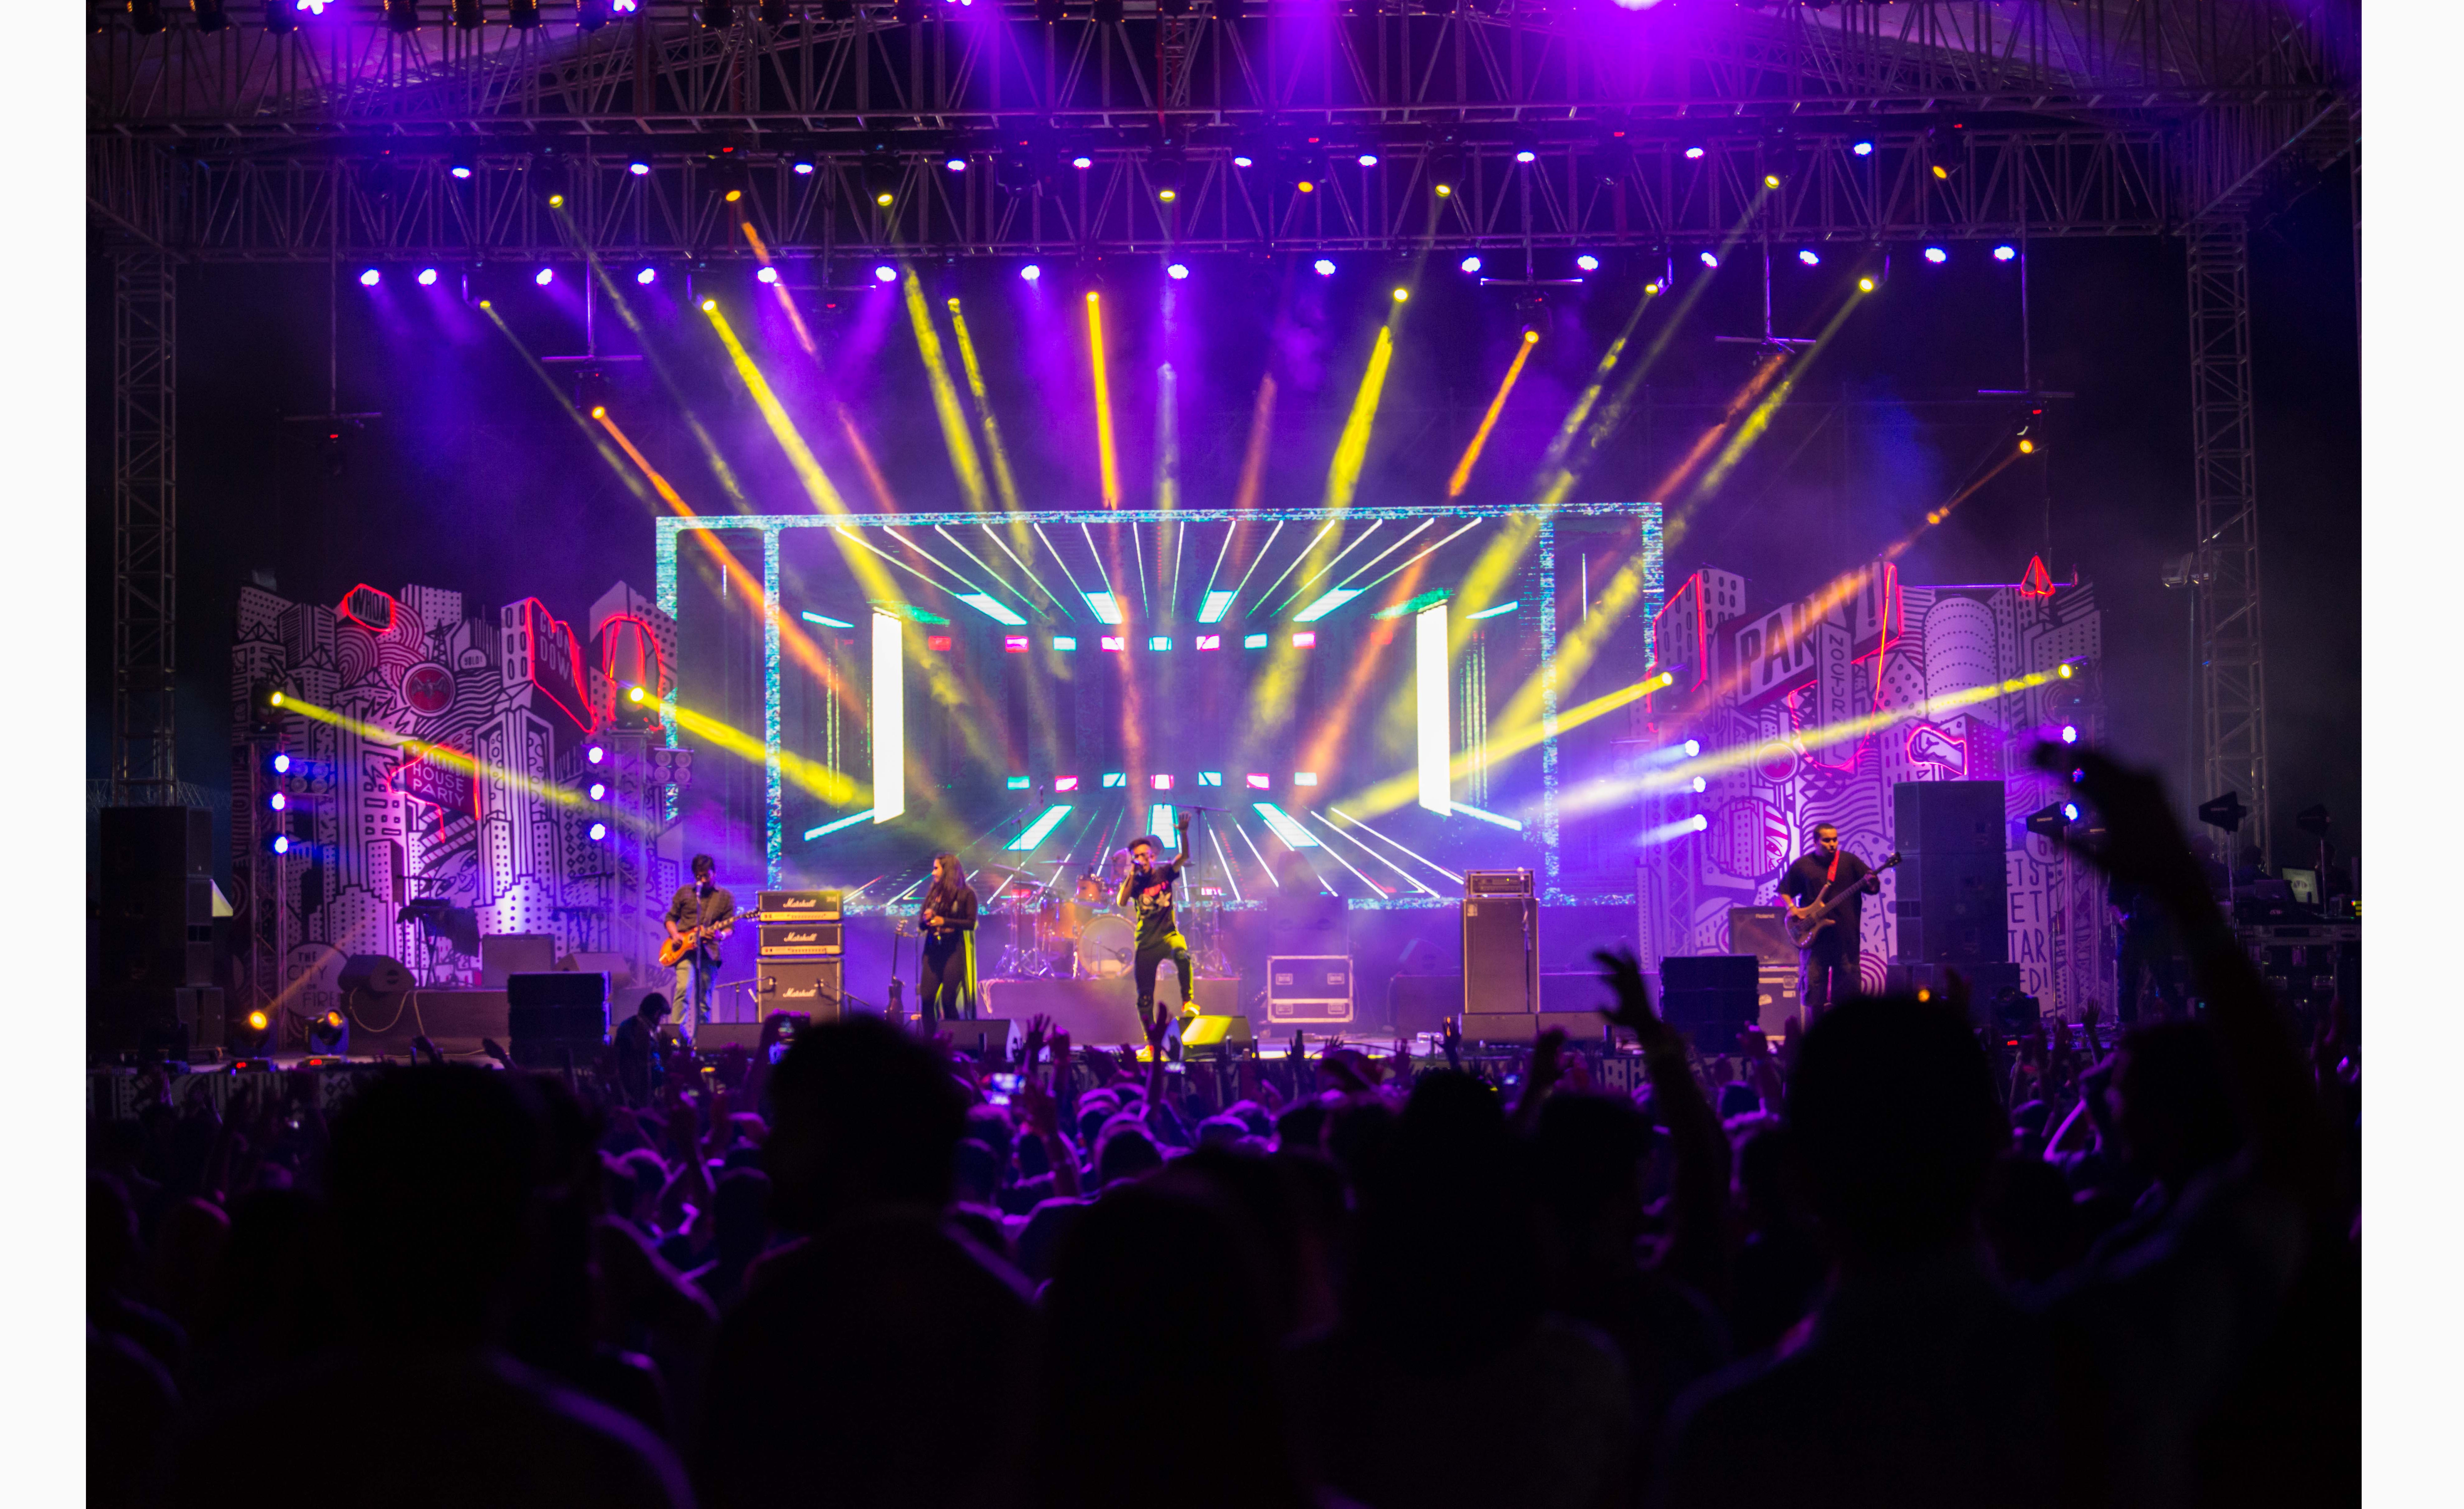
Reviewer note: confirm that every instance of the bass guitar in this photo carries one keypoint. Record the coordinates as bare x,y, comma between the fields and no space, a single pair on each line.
1802,927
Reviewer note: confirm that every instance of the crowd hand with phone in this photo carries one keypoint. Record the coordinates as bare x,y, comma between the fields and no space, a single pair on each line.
1546,1068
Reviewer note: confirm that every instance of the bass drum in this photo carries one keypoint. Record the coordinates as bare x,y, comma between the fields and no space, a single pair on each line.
1107,946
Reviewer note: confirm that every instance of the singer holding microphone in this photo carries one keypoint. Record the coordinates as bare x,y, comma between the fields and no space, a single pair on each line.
946,970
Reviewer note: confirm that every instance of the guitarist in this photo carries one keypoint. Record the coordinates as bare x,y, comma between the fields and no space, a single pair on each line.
1831,959
701,912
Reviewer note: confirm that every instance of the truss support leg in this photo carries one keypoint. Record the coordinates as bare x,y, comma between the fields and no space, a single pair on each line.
2232,689
145,515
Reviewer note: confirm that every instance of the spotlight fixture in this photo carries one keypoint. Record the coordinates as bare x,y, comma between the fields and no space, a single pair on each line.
598,832
1167,195
1936,255
401,16
595,753
1469,264
647,277
768,274
955,164
1941,172
803,167
1693,154
2069,733
638,169
427,277
1324,267
210,15
145,18
1864,285
2047,822
460,171
1863,150
1368,159
885,274
2004,253
1809,257
1401,295
708,306
1081,162
1242,160
1771,180
1030,271
371,277
1525,154
590,15
546,275
733,195
1305,187
1177,271
556,201
1588,262
467,14
883,198
281,843
2027,447
1711,260
523,15
279,19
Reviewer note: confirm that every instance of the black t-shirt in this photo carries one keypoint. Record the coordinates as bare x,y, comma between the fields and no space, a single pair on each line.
692,909
958,914
1805,882
1150,895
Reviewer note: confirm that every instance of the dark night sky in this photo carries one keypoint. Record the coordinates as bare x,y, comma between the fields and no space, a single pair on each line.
477,478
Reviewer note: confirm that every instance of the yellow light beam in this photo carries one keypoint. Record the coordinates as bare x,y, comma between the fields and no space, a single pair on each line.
956,436
808,471
1461,478
1003,480
642,340
833,786
505,780
786,300
864,461
1352,451
1103,399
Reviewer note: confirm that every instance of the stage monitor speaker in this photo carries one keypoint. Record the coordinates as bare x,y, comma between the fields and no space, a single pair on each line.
618,969
985,1038
556,987
1582,1028
373,974
810,986
1762,931
504,955
1213,1031
1947,817
713,1037
1500,954
1953,909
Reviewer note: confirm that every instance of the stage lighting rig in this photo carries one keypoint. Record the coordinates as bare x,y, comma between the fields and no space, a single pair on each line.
468,15
401,16
523,15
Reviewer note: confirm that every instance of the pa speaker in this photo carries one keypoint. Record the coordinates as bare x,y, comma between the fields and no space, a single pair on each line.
1713,997
1947,817
1953,909
983,1038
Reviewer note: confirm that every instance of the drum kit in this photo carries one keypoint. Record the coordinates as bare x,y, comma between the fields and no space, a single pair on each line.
1056,938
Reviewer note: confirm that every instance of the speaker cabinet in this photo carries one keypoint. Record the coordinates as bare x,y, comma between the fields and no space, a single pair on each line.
1953,904
1500,954
1712,997
154,919
810,986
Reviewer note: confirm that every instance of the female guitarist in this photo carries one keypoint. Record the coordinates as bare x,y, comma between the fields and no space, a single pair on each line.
946,973
1837,882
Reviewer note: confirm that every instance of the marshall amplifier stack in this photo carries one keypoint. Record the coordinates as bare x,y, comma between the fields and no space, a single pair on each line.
803,945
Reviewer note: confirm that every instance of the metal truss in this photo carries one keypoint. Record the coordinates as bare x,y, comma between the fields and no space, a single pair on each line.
2233,672
144,513
2000,184
1297,62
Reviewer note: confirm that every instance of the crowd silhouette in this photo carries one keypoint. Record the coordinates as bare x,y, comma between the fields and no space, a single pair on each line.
1883,1262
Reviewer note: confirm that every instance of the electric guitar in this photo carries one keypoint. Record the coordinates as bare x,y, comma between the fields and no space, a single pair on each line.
672,951
1802,928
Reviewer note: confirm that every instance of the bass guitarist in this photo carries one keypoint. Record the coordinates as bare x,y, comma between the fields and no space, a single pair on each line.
1829,874
701,914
